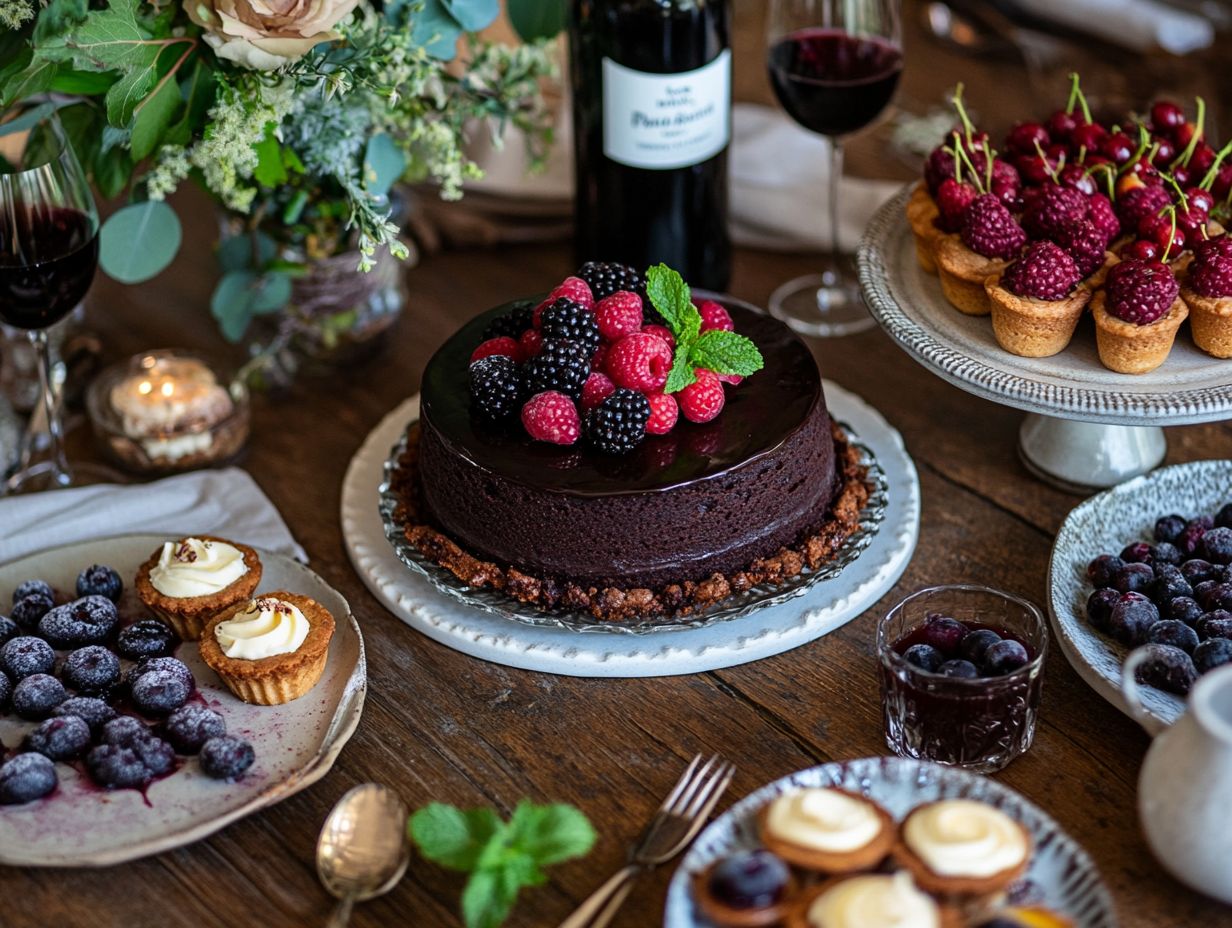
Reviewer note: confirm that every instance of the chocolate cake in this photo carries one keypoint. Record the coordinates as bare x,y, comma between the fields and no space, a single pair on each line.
682,521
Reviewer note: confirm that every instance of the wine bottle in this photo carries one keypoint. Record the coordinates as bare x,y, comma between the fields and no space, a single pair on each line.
652,122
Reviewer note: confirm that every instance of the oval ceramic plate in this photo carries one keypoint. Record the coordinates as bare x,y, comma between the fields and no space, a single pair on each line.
1189,387
1106,523
1061,876
296,744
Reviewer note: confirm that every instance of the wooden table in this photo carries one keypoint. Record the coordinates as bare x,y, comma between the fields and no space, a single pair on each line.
442,726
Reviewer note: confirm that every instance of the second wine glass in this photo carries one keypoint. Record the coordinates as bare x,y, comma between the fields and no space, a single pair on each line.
834,66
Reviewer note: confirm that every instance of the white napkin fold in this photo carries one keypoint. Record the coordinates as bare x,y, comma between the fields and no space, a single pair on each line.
224,502
779,185
1140,25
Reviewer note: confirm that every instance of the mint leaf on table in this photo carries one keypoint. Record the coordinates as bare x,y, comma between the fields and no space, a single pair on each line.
501,857
726,353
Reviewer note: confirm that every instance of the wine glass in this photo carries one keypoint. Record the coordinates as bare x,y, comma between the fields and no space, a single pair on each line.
48,255
834,65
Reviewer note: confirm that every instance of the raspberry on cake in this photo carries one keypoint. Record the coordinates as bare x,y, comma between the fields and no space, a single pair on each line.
551,417
1137,316
1037,302
1207,291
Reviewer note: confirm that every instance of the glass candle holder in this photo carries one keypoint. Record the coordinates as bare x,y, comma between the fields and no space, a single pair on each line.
980,723
167,411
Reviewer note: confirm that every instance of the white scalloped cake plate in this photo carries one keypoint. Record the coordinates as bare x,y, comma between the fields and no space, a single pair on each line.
1190,386
1061,874
773,630
80,825
1104,524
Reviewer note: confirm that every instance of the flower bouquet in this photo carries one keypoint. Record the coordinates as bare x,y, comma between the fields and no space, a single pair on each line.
296,116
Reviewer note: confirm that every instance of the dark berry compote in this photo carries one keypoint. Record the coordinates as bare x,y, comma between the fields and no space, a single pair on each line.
833,82
960,676
47,261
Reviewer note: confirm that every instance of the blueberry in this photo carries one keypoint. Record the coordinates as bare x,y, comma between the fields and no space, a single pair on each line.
170,665
1183,609
28,587
1191,536
1218,597
189,727
1099,608
1212,653
924,656
8,630
124,730
1216,546
1131,618
88,620
1137,553
964,670
147,638
94,712
27,612
1217,624
91,670
1169,528
1133,578
1005,656
24,656
25,778
1168,668
6,689
97,580
1169,583
226,758
155,753
944,633
1201,590
754,879
115,766
36,696
1224,517
1165,553
60,738
1101,570
1196,570
159,692
1177,634
976,643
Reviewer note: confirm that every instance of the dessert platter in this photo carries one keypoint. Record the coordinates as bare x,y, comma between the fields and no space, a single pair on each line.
1022,283
1146,564
508,525
159,688
825,844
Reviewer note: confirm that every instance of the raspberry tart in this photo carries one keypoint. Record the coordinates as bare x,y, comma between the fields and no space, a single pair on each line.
1137,316
1037,301
626,469
1207,291
990,238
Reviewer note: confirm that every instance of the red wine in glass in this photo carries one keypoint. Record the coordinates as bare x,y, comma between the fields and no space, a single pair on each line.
47,261
831,82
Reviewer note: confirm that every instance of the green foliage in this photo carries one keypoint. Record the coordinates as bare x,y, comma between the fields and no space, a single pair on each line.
501,857
139,241
537,19
383,164
242,294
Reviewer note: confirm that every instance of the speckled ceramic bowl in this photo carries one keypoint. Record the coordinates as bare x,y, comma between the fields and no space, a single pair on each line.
1106,523
1061,875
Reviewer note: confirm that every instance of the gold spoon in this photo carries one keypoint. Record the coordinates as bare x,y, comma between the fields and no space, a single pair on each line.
363,851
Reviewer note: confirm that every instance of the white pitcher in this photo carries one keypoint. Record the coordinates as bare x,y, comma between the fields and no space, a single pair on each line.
1185,787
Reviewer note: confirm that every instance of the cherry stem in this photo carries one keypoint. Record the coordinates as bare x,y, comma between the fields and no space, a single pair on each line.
968,128
1054,174
975,175
1180,194
1144,140
1209,179
1109,175
1196,137
1172,237
1076,97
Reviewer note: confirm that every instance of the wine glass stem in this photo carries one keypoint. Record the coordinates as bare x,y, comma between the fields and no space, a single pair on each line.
836,180
57,465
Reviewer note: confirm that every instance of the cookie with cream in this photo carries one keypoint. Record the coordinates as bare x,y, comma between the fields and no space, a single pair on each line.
962,847
827,829
189,581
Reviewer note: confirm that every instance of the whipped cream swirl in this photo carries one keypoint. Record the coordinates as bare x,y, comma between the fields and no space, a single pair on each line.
193,567
964,838
824,820
874,901
265,627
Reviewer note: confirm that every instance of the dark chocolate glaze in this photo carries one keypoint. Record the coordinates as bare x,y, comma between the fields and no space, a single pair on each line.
703,499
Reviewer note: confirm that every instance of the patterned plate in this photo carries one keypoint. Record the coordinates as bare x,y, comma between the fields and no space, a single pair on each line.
737,606
1107,523
1062,876
1189,387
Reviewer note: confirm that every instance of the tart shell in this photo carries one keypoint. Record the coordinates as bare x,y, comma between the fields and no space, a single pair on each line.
1210,321
797,917
727,917
977,886
188,615
1128,348
1032,328
833,862
922,214
963,273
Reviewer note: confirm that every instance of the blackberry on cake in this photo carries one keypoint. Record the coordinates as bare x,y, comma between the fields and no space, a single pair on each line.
561,365
495,387
608,277
511,324
618,424
565,319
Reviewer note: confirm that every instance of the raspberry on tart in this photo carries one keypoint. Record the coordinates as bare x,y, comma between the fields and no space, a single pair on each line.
1207,291
1137,316
1037,301
1053,211
990,237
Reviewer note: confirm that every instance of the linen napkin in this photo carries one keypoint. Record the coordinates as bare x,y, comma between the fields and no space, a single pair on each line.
224,502
1140,25
779,186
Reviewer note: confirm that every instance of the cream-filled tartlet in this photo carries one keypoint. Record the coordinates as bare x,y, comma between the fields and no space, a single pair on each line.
870,900
187,582
269,650
830,830
962,847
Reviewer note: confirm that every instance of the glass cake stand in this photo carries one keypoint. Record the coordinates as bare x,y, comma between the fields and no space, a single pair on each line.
1087,427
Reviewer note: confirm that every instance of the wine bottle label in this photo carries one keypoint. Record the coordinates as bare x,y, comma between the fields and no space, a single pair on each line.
664,121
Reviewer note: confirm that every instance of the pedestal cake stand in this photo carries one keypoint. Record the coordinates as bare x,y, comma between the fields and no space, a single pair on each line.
1087,427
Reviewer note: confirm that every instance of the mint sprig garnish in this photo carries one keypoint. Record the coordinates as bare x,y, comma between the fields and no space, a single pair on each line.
501,857
715,350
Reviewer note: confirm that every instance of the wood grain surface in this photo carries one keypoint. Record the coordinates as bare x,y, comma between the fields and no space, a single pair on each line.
442,726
